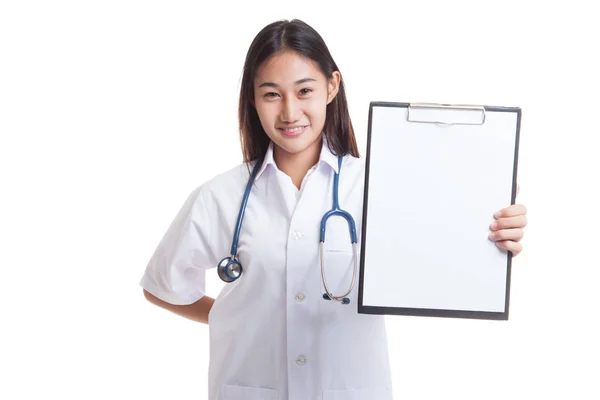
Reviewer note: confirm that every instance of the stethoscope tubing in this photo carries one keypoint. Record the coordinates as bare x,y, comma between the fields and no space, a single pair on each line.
226,265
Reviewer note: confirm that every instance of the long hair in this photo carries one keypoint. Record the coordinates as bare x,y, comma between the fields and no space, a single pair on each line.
298,36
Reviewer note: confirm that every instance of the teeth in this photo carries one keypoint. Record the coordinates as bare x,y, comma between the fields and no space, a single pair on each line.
297,129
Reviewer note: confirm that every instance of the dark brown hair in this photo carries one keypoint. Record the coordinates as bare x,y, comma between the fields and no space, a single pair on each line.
297,36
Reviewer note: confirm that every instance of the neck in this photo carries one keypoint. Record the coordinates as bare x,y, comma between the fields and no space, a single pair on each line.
297,165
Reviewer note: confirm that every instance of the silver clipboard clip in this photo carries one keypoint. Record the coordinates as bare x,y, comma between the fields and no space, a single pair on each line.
434,106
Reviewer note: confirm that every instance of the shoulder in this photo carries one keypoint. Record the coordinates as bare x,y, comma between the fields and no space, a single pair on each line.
353,166
233,177
354,162
223,185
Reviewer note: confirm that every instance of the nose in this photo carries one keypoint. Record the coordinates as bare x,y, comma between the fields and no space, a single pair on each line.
290,111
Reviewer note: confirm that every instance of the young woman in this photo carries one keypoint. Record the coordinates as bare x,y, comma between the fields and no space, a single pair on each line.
273,333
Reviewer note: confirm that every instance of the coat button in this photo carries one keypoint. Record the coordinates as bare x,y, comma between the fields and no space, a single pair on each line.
300,297
301,360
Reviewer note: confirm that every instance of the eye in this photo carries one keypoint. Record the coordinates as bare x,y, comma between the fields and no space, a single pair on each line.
271,95
305,91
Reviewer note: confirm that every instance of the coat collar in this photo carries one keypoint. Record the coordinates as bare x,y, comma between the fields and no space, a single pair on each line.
326,157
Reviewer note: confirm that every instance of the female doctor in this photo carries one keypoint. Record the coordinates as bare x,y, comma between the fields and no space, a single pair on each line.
275,331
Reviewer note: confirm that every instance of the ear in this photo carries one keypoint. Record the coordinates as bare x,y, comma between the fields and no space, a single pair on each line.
333,86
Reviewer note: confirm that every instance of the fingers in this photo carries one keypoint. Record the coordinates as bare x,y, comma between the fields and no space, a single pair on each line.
511,211
507,229
507,234
519,221
514,247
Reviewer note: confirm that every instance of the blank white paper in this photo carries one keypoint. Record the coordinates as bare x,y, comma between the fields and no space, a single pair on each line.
432,192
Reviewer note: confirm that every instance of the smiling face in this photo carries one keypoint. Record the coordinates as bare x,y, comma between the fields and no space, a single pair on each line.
291,96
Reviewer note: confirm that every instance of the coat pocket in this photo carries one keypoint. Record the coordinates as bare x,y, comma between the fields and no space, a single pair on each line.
231,392
378,393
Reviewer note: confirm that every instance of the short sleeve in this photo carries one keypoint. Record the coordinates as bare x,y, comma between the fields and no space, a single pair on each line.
176,270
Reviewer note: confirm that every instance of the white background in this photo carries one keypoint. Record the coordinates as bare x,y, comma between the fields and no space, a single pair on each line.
112,112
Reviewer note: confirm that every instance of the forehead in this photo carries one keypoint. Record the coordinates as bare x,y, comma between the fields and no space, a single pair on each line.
286,67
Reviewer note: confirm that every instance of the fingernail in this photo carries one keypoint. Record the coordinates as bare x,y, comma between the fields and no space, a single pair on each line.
498,214
494,225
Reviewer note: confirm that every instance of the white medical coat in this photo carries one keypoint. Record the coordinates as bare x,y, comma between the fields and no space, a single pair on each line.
272,335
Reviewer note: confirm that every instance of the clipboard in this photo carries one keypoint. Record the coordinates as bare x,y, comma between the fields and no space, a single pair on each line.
435,174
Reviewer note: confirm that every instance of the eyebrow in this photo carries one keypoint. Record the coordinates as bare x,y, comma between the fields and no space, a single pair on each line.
300,82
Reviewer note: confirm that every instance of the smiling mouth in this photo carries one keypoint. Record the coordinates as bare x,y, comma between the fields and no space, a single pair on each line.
295,131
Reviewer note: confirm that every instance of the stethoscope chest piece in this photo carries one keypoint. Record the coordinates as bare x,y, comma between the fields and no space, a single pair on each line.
229,269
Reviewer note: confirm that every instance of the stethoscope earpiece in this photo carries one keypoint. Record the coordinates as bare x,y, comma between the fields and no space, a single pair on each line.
345,300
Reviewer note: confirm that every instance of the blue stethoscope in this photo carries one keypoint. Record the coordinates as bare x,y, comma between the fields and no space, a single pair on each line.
230,269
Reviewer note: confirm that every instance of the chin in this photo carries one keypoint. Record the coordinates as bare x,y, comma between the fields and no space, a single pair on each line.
297,145
292,148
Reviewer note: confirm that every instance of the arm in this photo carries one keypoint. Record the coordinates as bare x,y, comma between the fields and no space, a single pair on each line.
197,311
